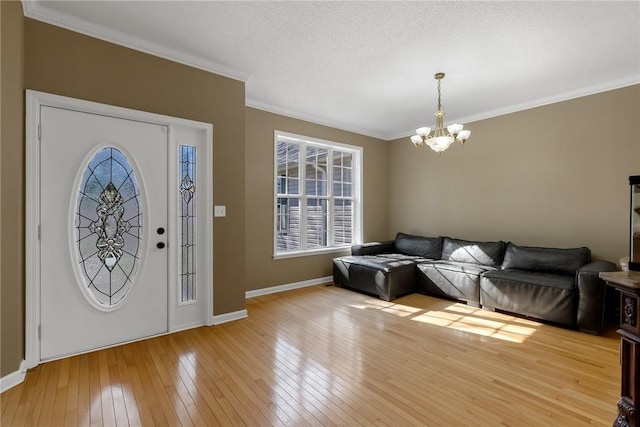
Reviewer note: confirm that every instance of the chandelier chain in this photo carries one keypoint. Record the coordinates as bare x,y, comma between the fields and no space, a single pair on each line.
439,103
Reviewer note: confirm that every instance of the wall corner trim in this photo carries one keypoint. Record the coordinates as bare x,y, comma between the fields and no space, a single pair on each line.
14,378
290,286
228,317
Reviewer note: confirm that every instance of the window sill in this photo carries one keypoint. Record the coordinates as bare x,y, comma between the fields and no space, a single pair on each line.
311,252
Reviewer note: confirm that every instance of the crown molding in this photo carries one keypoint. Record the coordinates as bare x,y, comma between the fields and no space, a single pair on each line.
34,9
566,96
315,119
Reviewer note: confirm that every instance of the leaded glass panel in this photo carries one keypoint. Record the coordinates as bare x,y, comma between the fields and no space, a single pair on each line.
108,226
187,223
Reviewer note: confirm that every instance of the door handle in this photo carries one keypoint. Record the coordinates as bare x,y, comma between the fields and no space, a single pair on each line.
160,245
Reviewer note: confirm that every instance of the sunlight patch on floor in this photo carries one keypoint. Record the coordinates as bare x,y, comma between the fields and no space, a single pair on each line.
480,322
402,310
460,317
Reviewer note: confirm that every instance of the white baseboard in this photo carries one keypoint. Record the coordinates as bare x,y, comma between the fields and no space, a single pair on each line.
17,377
290,286
186,326
242,314
14,378
229,317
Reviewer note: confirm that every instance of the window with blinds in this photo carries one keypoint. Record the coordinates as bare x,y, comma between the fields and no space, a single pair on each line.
317,195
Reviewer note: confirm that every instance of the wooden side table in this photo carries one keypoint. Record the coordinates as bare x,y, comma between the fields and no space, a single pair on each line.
628,283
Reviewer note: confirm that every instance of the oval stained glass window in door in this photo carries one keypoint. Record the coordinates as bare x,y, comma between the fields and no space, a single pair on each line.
108,226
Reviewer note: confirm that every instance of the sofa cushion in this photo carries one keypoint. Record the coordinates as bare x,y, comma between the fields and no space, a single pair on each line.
451,280
545,296
383,262
548,260
426,247
531,277
465,251
456,267
374,248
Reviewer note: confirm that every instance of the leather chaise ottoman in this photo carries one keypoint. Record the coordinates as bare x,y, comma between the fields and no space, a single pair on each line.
387,276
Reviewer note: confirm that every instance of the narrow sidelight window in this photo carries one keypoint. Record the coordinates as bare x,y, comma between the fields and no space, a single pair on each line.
187,223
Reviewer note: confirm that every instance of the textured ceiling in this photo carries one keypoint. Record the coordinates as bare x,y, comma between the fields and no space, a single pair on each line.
368,66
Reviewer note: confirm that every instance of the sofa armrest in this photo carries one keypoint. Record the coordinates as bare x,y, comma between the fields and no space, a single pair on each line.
593,303
597,267
374,248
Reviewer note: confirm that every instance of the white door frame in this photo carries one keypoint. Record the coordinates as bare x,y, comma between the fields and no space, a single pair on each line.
34,100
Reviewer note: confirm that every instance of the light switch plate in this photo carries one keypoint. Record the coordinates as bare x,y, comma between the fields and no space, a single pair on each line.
219,211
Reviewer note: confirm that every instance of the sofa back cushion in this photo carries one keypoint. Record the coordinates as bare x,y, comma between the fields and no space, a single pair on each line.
549,260
483,253
427,247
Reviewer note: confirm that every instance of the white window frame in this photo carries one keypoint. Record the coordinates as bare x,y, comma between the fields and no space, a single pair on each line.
307,141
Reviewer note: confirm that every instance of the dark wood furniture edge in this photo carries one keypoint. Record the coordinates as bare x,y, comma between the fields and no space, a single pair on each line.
628,283
630,280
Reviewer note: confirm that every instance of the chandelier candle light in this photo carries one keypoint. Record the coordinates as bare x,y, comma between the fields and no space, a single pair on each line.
440,140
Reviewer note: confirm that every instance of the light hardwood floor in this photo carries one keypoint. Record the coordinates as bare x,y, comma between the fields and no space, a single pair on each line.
328,356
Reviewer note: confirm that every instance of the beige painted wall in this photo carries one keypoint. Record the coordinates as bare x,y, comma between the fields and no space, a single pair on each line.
67,63
262,270
12,182
555,176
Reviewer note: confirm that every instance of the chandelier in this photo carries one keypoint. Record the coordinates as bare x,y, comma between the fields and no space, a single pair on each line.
440,140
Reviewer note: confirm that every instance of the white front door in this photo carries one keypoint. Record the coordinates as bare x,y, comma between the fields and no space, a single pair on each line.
104,221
